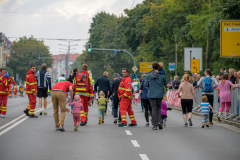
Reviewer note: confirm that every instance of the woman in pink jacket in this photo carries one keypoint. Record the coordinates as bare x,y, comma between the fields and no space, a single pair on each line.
225,95
77,107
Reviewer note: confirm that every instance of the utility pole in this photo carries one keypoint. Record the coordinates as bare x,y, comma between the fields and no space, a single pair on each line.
208,41
176,48
68,52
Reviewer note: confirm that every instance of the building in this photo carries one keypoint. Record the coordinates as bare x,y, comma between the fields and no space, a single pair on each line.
5,49
59,64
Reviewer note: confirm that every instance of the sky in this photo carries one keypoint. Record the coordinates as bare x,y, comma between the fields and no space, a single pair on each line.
56,19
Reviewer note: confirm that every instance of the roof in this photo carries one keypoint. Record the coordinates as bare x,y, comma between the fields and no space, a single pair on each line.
72,57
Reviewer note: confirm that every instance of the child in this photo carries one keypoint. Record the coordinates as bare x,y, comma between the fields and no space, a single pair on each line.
136,97
161,70
164,109
205,111
21,90
15,89
77,107
101,106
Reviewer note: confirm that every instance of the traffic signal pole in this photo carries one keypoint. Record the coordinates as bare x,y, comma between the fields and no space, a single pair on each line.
119,50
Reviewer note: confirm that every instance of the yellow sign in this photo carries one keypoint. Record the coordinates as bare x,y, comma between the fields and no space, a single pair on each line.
195,65
145,67
230,38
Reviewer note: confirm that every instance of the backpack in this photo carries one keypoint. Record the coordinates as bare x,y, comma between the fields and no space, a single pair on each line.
82,82
208,84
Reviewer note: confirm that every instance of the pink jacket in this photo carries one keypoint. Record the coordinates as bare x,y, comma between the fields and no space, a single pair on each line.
164,108
77,106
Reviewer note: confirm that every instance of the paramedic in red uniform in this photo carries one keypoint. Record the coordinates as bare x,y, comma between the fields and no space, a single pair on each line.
31,91
84,87
125,96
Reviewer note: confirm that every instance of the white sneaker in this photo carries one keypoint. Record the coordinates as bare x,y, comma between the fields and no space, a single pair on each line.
3,116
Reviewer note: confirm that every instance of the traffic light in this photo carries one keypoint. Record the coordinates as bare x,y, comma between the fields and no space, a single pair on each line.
89,47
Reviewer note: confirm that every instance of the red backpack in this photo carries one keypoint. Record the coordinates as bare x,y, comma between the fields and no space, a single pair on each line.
82,82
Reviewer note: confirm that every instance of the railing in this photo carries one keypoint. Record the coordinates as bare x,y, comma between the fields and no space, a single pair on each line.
172,99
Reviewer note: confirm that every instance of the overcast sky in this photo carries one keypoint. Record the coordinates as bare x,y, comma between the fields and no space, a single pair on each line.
68,19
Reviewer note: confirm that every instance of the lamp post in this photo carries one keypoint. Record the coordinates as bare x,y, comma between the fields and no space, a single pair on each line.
1,40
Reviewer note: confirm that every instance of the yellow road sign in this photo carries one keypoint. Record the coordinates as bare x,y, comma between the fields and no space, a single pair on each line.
230,38
145,67
195,65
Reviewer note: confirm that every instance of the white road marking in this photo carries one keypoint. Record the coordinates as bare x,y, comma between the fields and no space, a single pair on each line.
144,156
17,123
128,132
135,143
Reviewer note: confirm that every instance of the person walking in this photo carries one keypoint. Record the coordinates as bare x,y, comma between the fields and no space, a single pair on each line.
84,88
225,95
205,107
21,90
155,83
135,87
125,96
15,89
114,93
103,84
187,91
43,83
4,86
144,98
31,91
101,107
75,71
208,84
59,99
77,107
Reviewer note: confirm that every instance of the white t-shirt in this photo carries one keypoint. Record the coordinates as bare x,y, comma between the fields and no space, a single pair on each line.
135,86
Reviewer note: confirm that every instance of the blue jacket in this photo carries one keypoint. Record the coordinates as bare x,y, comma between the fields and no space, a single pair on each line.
103,84
144,91
42,77
155,83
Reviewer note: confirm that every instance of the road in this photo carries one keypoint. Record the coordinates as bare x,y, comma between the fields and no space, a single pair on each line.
28,139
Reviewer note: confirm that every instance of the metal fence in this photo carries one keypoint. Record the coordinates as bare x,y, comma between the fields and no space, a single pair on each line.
235,100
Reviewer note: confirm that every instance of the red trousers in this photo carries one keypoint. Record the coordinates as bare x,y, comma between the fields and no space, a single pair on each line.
15,93
84,112
32,103
3,104
125,106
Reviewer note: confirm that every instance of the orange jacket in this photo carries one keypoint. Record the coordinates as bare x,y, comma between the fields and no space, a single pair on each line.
3,85
15,88
125,88
31,83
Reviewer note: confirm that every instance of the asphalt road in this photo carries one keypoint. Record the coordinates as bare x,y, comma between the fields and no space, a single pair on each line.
36,139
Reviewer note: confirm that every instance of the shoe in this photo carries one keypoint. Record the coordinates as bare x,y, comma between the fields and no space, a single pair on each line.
45,113
160,126
132,125
219,119
142,111
190,122
164,124
33,116
3,116
202,126
115,121
26,112
185,125
211,123
40,113
99,122
61,128
76,128
154,128
122,125
82,123
147,125
207,125
102,122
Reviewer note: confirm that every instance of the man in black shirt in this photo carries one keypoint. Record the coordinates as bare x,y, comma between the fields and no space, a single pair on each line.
114,92
176,83
233,79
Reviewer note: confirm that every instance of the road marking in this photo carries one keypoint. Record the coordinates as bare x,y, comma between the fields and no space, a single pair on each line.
17,123
128,132
144,156
135,143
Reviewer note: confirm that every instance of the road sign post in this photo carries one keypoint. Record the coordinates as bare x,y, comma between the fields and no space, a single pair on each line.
230,38
145,67
189,54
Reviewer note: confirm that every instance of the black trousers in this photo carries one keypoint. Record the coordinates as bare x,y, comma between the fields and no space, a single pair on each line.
147,108
116,102
210,100
156,110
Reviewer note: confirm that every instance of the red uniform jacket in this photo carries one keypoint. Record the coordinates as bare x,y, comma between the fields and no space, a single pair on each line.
4,85
125,88
31,83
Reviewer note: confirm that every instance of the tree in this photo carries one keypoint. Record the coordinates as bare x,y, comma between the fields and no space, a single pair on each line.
25,53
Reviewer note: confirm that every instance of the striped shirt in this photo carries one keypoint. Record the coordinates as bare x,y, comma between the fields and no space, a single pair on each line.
43,79
205,107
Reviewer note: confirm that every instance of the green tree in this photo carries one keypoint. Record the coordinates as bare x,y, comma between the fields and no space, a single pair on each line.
25,53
